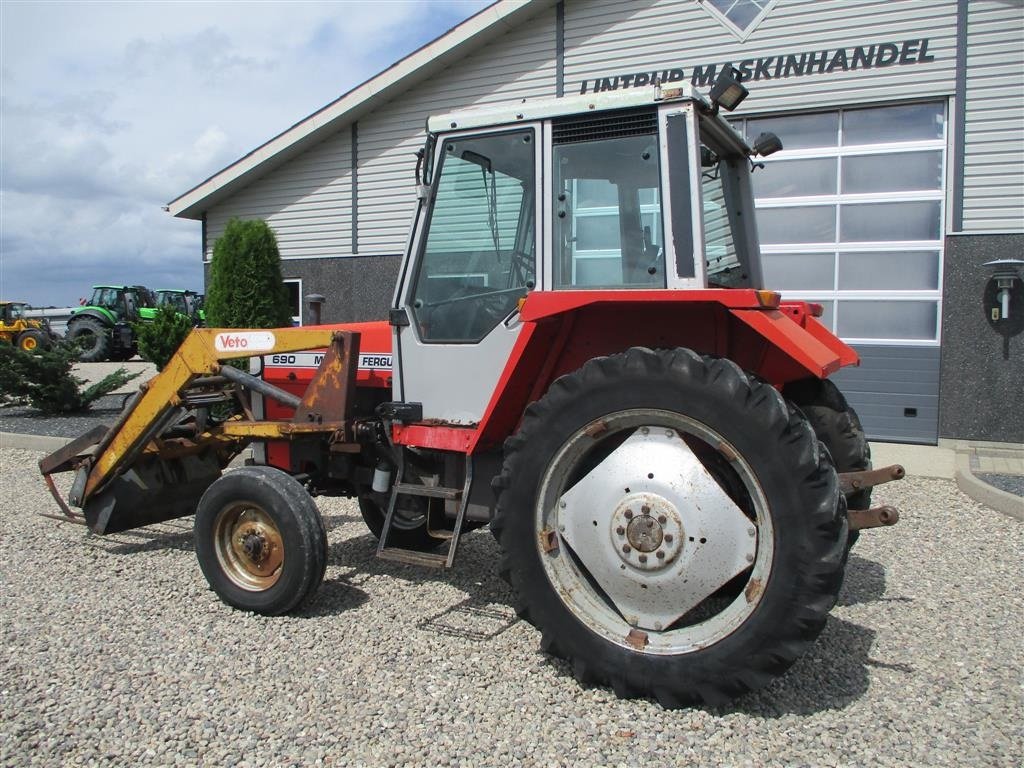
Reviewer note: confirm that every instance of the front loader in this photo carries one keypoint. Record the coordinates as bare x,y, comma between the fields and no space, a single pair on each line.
579,354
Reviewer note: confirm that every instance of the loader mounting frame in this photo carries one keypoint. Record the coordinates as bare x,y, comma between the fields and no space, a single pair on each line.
156,441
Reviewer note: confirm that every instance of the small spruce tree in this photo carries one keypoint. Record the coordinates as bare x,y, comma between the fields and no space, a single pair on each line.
246,289
43,379
160,338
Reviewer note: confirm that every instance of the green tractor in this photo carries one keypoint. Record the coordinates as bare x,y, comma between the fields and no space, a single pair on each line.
102,327
184,302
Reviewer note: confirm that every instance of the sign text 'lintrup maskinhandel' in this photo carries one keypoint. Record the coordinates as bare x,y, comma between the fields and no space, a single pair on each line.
825,62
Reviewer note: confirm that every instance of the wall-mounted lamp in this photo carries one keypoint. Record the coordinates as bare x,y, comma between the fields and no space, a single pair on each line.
1006,278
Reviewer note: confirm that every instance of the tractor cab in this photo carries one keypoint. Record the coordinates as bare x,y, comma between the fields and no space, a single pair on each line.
11,311
640,190
122,302
184,302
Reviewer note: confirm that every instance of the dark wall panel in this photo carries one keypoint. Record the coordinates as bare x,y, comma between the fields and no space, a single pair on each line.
356,287
895,391
982,392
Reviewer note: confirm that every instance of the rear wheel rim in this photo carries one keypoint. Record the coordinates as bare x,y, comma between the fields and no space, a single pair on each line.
29,343
249,546
624,579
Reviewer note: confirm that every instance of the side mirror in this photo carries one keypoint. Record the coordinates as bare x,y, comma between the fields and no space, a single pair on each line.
767,144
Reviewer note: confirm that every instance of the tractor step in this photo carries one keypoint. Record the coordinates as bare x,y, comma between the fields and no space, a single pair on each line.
431,491
401,488
412,557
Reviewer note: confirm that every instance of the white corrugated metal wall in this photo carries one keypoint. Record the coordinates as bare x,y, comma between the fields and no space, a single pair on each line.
994,125
307,201
521,64
608,37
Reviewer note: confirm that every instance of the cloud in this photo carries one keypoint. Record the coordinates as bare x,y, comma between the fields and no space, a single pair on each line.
108,110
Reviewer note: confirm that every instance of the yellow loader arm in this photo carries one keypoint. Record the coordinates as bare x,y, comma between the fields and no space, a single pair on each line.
166,437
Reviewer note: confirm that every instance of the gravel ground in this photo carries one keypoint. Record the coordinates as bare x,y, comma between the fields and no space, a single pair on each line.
115,653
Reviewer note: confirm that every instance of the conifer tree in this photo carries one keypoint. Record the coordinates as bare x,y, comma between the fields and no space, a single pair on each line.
246,289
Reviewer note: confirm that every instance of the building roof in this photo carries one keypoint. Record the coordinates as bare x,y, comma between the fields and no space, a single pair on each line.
484,26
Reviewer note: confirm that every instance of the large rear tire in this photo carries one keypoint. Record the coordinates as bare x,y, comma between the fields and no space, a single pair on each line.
671,525
260,540
837,425
91,338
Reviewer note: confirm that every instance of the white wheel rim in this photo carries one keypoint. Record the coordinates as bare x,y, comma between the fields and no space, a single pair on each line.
660,550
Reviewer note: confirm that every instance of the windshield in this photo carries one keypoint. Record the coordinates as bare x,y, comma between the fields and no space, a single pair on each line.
16,311
104,297
175,300
730,237
723,263
478,255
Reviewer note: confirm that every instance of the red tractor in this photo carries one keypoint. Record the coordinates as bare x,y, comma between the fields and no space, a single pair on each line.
580,355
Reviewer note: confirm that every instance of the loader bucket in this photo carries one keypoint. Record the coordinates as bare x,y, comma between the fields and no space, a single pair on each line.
152,490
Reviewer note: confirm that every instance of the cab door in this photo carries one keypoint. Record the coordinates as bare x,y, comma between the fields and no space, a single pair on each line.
473,256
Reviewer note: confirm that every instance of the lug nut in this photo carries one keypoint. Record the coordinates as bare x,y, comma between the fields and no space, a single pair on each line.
626,548
662,519
668,538
629,514
661,554
621,531
645,509
643,558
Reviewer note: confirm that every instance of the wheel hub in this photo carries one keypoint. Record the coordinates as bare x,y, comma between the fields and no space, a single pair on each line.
647,531
249,547
253,545
653,529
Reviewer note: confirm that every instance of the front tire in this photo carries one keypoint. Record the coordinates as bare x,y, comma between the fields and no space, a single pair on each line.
837,425
671,526
92,339
260,540
31,340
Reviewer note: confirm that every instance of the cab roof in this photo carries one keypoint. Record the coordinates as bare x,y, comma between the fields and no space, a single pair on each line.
542,109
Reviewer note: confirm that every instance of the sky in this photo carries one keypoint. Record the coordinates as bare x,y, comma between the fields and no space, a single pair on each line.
108,111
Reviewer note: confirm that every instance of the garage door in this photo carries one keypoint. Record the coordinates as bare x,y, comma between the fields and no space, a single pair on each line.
850,215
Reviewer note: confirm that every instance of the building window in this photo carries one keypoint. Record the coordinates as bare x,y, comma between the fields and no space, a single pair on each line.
851,215
740,17
294,287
